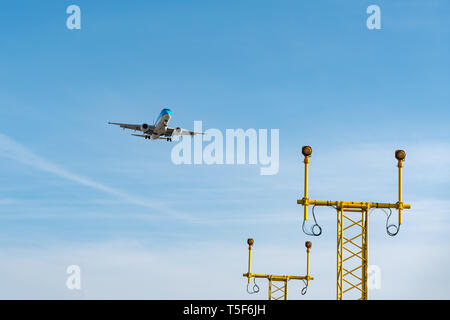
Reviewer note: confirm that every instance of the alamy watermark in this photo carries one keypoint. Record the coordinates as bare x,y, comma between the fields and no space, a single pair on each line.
374,20
74,20
238,147
73,281
374,277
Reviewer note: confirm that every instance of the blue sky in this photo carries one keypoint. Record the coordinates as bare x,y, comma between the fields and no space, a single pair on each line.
74,190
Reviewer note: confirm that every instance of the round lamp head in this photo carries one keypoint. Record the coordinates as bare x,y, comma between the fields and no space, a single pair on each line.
308,244
306,151
250,241
400,155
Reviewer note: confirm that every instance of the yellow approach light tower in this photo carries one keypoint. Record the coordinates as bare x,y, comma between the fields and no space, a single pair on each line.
352,232
278,284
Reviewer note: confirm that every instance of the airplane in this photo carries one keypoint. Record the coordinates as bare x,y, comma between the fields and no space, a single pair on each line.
159,129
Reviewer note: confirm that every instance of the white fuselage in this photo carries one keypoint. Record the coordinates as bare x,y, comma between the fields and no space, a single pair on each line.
161,126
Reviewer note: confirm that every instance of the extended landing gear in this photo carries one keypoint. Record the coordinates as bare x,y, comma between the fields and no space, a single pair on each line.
169,139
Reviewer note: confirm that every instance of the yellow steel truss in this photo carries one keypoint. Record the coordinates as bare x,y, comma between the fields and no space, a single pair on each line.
282,288
352,233
278,284
352,247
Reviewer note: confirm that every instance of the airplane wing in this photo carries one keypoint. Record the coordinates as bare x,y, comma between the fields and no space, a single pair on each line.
135,127
180,132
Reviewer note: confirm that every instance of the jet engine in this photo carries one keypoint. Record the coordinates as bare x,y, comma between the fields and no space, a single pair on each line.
144,127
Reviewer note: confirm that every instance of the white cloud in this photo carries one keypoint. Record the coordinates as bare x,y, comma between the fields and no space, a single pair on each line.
214,270
129,270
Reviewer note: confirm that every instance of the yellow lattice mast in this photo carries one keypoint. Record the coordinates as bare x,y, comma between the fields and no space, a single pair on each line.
278,284
352,232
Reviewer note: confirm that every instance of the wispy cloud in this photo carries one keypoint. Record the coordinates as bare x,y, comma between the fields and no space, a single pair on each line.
7,201
16,151
425,161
